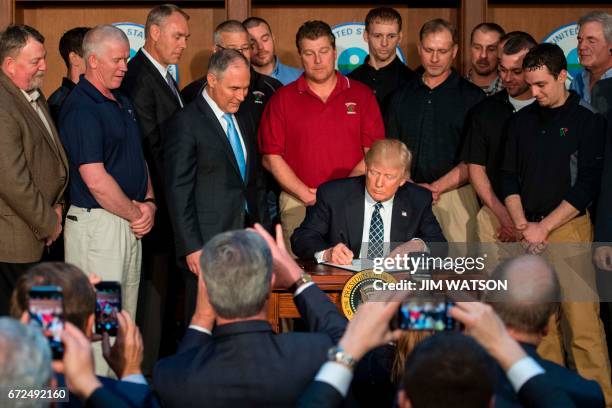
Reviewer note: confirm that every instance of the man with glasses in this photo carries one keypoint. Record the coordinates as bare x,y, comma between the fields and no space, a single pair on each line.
231,34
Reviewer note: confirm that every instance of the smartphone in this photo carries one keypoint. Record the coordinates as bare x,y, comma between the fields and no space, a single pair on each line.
108,304
425,313
46,308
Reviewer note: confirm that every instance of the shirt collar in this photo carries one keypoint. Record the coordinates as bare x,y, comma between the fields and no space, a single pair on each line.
370,202
342,84
67,83
213,105
451,82
277,67
389,67
163,71
31,96
93,92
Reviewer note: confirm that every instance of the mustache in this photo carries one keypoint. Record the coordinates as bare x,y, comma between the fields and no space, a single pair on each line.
482,61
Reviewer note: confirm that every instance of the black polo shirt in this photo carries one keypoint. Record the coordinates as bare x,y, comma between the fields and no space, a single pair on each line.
383,81
95,129
430,122
261,89
56,100
554,154
485,136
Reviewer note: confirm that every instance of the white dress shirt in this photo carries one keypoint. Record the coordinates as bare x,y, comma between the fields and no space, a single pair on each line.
163,71
32,98
219,114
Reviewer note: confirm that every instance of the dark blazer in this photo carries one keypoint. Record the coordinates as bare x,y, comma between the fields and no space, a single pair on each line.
337,217
583,392
247,364
33,176
123,393
538,392
205,192
155,104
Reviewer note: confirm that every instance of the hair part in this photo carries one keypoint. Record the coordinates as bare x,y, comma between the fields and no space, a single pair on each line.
254,22
158,14
25,359
221,60
72,41
313,30
386,150
437,25
79,294
99,36
601,17
456,364
517,41
237,269
546,55
383,14
228,26
15,37
487,28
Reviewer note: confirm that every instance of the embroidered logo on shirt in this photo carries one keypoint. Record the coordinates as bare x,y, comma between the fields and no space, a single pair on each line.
351,108
258,96
563,132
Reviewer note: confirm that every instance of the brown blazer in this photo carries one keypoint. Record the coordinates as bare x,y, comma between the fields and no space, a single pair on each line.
33,176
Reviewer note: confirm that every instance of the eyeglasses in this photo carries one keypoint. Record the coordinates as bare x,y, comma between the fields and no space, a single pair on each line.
240,50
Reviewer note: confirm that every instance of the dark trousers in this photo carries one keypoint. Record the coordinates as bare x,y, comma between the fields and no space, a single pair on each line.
9,274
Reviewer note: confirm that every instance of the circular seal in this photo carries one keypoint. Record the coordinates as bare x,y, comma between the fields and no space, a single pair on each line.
358,289
352,48
566,37
136,37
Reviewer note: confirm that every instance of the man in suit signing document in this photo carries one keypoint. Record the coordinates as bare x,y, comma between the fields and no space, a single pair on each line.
359,217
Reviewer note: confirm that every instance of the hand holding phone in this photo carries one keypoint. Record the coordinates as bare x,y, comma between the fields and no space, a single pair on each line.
424,313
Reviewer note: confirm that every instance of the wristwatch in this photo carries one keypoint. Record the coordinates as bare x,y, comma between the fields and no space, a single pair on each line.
338,355
305,278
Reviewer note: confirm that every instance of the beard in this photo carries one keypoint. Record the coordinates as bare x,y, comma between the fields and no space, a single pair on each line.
36,81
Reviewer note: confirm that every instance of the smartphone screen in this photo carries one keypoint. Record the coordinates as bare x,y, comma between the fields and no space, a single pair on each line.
108,304
46,307
425,314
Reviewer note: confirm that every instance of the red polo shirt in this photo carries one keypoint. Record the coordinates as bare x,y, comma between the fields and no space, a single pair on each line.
321,141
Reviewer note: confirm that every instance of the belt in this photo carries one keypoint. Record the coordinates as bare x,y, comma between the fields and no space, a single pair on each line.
537,217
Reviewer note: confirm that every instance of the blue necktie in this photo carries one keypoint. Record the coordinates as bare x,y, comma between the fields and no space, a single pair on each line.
377,234
234,139
173,88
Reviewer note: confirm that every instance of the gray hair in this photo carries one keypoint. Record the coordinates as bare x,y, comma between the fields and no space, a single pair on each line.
237,269
25,360
158,14
222,59
601,17
99,35
228,26
15,37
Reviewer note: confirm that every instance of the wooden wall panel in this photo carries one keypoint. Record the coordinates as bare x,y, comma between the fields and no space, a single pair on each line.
285,22
538,20
53,21
6,13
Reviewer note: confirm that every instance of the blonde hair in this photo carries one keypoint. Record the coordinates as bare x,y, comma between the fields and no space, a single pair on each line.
390,149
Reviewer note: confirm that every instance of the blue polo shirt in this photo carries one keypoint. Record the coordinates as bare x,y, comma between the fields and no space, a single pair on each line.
284,73
95,129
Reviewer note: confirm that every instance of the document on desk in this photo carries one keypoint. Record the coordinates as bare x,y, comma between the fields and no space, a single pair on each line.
357,265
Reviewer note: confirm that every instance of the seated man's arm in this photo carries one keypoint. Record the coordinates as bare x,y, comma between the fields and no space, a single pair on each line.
107,192
311,236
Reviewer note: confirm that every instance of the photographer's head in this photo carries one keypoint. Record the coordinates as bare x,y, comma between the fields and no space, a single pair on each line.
237,270
531,299
25,360
448,370
79,294
387,168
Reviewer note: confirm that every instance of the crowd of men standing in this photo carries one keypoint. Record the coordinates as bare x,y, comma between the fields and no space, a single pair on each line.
138,174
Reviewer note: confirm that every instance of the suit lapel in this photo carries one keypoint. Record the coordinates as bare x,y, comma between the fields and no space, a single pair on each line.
354,207
157,78
400,216
219,132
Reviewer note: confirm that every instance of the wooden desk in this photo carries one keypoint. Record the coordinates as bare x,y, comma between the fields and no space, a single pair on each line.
330,280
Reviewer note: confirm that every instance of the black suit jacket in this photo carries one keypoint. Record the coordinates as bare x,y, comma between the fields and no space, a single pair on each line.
155,104
206,194
583,392
337,217
247,364
538,392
